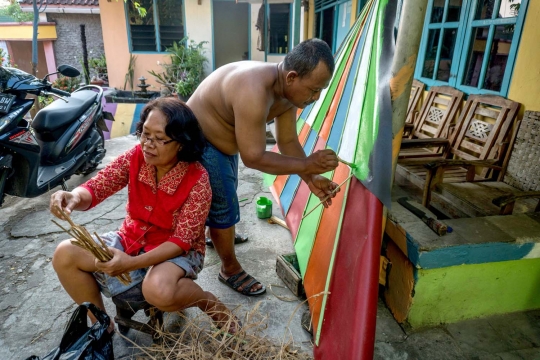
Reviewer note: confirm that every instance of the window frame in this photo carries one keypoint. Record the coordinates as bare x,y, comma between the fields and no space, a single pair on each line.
156,28
465,27
320,7
289,24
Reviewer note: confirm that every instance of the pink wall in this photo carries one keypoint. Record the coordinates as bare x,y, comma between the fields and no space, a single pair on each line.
115,40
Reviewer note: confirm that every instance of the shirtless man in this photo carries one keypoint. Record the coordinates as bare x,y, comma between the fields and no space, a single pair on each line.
233,105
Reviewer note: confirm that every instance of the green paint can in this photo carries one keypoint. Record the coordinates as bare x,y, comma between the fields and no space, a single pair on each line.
264,208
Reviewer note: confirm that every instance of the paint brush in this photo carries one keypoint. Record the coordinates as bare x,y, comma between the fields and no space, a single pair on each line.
351,165
328,196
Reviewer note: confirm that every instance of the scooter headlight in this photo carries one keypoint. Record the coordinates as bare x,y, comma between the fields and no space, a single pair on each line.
8,118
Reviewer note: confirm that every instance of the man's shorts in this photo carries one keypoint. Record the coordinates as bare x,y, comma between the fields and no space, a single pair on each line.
192,263
223,172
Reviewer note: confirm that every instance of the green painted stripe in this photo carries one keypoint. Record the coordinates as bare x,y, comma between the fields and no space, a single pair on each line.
331,266
369,121
299,125
456,293
308,230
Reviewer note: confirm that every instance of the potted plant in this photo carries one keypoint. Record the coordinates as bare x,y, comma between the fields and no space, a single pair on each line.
99,65
186,70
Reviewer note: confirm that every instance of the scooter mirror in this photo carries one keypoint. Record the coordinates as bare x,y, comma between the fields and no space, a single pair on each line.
68,71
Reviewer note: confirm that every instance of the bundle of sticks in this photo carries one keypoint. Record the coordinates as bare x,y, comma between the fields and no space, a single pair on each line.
83,239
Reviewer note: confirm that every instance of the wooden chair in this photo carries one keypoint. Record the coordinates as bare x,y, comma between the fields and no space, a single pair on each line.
417,93
509,194
436,116
481,138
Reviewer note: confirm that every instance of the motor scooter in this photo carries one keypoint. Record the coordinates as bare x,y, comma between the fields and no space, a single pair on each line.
63,139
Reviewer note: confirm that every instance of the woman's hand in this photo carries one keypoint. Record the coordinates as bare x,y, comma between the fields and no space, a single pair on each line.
65,200
119,264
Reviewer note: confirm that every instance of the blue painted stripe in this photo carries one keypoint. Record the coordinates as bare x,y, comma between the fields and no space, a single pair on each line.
466,254
289,191
136,117
345,102
304,114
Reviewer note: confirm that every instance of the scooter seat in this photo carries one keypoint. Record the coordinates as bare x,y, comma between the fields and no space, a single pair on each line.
59,113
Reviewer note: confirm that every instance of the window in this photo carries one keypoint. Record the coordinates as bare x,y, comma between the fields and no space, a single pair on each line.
279,29
332,20
162,25
471,44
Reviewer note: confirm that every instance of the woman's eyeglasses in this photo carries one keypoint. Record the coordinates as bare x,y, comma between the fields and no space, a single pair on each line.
158,142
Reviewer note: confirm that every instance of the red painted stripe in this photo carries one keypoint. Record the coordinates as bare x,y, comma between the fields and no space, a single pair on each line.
276,197
319,261
348,331
296,210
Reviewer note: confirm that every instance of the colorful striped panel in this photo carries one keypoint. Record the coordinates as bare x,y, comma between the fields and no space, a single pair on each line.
336,100
281,180
332,92
304,241
291,186
316,277
350,308
346,102
294,216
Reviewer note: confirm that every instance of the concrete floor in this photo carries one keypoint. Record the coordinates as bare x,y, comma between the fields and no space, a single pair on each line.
34,308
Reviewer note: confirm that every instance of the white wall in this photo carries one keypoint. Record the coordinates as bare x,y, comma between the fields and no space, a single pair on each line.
275,58
199,27
231,28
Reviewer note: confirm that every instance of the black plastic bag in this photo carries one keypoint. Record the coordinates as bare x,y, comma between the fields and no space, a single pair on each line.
81,342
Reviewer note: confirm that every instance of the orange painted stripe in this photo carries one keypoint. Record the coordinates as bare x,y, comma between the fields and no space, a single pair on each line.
321,254
302,137
330,116
281,180
298,112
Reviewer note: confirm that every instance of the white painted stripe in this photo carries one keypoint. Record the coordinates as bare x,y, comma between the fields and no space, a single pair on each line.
317,105
347,147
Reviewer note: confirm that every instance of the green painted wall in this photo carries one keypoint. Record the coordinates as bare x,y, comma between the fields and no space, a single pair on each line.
462,292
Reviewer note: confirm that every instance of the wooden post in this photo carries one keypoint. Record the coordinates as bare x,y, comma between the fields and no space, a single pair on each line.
408,42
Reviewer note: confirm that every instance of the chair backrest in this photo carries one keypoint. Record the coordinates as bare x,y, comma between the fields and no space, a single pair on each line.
417,93
438,112
484,129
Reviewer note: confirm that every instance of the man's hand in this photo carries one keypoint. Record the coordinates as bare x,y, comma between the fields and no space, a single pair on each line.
64,200
119,264
323,187
321,161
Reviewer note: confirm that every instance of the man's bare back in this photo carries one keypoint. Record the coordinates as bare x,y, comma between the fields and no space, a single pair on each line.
232,84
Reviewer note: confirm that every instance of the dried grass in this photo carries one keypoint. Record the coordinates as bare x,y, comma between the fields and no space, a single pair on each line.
84,240
199,340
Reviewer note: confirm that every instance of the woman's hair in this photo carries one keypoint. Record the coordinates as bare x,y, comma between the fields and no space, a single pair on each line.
182,126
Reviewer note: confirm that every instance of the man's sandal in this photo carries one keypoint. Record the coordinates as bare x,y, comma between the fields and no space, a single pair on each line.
238,239
234,283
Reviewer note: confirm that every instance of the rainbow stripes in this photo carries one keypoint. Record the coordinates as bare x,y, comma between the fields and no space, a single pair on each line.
126,117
